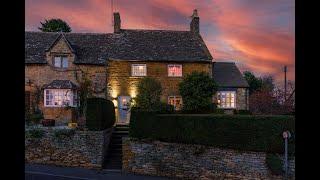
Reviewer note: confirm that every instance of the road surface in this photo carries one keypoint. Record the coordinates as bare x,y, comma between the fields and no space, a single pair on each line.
48,172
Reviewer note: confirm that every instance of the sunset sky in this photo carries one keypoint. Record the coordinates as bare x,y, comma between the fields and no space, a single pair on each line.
259,35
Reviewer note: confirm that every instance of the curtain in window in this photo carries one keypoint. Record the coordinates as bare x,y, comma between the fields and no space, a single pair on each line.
60,97
226,99
175,70
139,70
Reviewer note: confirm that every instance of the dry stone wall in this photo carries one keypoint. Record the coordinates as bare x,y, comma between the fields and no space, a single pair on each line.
82,149
193,161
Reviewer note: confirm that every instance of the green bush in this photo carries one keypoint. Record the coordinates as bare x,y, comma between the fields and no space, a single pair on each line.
100,114
218,111
242,112
274,163
36,118
242,132
166,108
149,91
196,90
63,133
35,133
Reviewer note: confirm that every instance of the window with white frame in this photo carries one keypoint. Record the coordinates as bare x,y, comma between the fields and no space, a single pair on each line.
60,97
138,69
226,99
60,61
175,70
176,101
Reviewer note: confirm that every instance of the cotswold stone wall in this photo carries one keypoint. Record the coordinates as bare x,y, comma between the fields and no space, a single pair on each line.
242,99
82,149
192,161
123,84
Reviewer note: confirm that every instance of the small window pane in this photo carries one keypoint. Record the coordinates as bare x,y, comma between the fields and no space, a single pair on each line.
174,70
64,62
176,101
226,99
57,61
60,98
139,70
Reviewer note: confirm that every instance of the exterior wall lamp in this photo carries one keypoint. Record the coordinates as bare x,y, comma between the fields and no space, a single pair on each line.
115,102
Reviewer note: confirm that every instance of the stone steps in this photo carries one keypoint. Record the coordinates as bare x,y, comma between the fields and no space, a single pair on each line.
113,159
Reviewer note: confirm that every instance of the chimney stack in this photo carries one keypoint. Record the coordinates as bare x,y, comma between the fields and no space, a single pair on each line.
194,25
116,22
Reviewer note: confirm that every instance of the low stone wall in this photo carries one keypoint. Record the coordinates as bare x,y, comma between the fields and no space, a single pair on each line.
192,161
82,149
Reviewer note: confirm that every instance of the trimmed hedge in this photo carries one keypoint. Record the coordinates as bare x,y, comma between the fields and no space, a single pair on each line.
100,114
242,132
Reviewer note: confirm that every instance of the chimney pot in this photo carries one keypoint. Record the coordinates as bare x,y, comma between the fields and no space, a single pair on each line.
194,25
116,22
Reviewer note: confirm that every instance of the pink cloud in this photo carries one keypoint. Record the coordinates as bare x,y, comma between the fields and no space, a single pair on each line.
257,38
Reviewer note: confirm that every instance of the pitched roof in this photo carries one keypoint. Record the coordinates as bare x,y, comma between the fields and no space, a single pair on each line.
89,48
61,84
146,45
65,39
227,74
160,45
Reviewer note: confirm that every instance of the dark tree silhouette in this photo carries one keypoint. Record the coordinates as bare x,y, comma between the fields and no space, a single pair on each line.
254,82
54,25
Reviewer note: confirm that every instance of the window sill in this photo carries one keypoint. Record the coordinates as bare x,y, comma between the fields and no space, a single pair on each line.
60,69
60,106
227,108
137,76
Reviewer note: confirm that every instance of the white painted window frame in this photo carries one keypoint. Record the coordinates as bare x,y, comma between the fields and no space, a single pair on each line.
235,99
61,58
132,73
179,65
73,95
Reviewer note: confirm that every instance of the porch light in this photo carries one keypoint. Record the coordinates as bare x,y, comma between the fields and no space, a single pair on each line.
133,93
114,94
115,103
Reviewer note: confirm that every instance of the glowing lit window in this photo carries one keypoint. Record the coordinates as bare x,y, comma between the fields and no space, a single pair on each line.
60,97
226,99
175,70
60,62
176,101
139,70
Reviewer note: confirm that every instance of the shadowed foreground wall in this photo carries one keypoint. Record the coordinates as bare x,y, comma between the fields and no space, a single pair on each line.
82,149
193,161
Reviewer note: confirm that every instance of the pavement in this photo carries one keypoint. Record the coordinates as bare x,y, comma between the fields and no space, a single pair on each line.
50,172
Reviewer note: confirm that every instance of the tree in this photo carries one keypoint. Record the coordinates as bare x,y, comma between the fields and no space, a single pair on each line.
54,25
267,83
263,102
149,91
197,90
254,82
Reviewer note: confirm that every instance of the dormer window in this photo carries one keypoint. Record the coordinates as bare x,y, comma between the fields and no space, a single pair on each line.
60,62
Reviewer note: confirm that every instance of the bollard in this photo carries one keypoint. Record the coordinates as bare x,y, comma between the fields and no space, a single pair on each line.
286,135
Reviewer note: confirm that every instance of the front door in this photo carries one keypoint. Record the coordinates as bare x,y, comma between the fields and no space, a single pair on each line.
124,107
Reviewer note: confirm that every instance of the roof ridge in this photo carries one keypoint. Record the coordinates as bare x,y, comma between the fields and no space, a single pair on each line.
88,33
224,62
155,30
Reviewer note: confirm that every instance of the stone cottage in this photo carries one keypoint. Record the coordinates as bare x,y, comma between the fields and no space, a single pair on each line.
55,64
